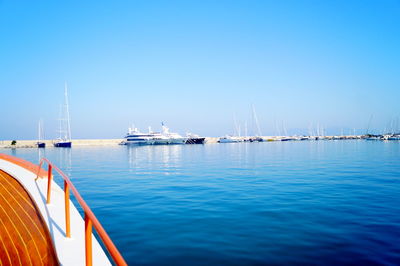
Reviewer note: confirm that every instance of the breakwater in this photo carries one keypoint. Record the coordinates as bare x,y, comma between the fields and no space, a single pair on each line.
75,142
49,143
208,140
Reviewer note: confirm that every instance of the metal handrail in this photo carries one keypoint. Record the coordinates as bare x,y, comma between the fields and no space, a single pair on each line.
90,218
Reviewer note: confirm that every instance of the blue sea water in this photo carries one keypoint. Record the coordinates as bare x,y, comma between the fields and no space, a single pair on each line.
309,202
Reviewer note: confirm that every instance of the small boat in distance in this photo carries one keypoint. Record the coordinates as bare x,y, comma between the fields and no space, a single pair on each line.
230,139
40,143
64,140
391,137
194,139
372,137
255,139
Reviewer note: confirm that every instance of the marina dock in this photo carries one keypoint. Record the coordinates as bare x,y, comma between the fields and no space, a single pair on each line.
49,143
75,142
113,142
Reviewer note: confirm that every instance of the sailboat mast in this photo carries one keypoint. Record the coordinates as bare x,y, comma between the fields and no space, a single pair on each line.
256,121
236,129
60,123
41,134
67,113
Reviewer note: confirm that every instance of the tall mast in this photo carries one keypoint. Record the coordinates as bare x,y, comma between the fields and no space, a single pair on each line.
42,136
68,135
369,124
277,130
60,123
39,131
256,121
284,129
236,129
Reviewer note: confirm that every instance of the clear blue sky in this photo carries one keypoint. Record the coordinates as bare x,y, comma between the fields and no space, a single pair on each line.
194,64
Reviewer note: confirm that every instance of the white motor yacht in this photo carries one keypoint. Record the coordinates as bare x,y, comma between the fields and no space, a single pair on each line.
135,137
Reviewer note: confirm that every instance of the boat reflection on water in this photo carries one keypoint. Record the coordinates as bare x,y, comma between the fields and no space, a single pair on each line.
64,158
41,154
163,157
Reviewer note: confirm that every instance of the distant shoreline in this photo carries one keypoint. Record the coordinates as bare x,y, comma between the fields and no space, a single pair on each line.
49,143
75,142
114,142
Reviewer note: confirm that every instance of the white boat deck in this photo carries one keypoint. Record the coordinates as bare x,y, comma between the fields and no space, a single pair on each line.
70,251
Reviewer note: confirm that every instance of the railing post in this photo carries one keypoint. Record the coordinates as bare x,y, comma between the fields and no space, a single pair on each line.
88,240
67,217
49,178
40,167
89,223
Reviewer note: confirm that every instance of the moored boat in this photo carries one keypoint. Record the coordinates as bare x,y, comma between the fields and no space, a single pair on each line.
391,137
135,137
373,137
230,139
64,140
61,143
255,139
194,139
287,138
40,143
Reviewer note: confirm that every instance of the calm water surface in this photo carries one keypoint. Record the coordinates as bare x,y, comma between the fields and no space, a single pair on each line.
326,202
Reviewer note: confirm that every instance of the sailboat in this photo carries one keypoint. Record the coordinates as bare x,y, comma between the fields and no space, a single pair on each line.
64,139
256,127
232,139
40,143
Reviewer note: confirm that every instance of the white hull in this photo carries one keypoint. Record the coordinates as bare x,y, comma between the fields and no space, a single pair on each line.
156,142
229,140
140,142
170,141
